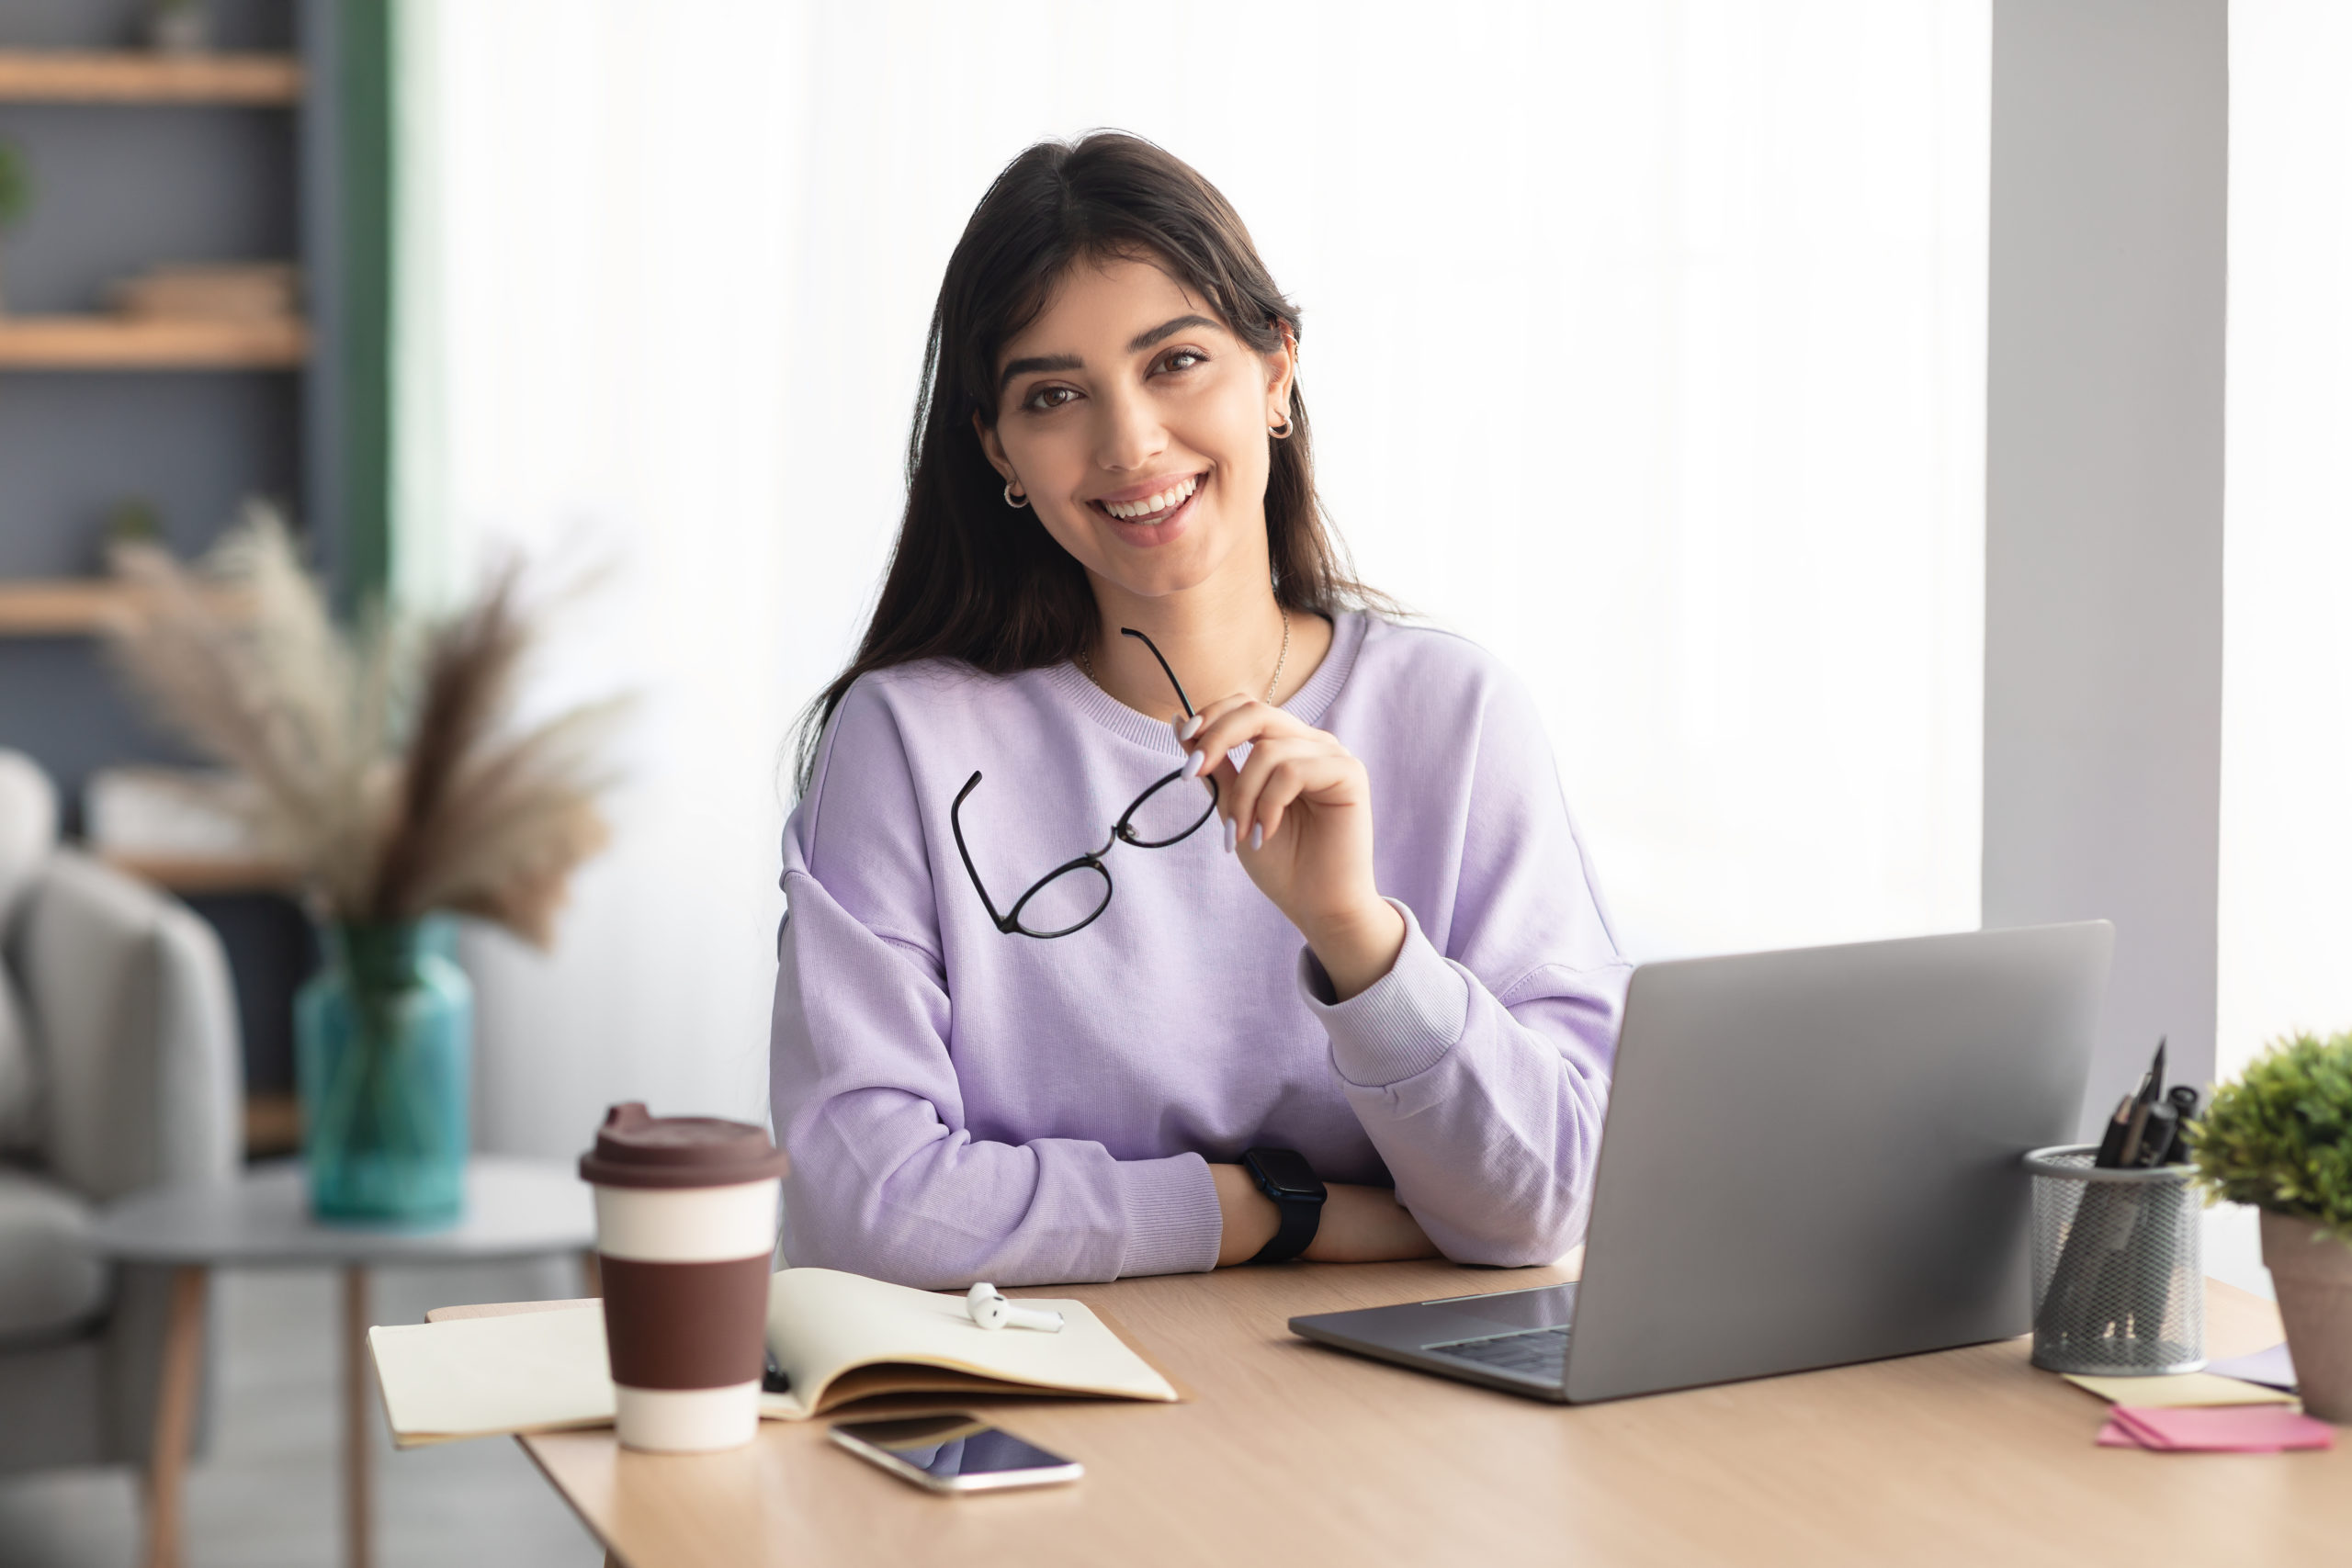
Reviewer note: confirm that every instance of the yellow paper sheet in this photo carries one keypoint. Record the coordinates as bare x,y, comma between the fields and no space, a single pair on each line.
2181,1390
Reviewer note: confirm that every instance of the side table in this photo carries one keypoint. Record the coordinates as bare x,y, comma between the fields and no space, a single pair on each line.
515,1209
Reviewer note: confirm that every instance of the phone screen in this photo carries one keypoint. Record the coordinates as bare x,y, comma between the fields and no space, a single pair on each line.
955,1451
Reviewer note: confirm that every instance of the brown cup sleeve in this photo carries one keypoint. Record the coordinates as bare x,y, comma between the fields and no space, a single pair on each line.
685,1326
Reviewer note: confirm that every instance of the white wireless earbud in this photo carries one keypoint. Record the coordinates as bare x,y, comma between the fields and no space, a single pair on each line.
990,1310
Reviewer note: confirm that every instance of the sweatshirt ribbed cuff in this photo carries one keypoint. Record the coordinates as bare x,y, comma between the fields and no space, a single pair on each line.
1173,1222
1399,1026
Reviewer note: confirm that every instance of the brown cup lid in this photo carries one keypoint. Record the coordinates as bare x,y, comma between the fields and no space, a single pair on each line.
636,1148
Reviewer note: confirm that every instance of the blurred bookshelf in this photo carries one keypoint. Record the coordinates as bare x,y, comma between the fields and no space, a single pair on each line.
138,379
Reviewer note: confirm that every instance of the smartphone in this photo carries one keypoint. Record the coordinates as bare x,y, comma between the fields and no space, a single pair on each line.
953,1453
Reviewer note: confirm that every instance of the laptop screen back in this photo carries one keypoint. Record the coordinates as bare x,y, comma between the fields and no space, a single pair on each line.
1811,1157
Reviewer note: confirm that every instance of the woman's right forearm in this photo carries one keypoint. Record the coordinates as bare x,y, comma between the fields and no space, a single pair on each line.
1360,1225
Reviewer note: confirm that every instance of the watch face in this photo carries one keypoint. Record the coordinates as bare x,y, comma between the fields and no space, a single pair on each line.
1286,1171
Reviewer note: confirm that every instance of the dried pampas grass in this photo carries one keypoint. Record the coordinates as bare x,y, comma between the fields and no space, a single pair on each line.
388,768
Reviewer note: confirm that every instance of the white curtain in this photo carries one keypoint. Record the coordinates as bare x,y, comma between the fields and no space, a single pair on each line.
1644,341
2286,917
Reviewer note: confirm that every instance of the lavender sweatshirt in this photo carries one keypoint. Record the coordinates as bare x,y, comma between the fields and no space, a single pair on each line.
963,1105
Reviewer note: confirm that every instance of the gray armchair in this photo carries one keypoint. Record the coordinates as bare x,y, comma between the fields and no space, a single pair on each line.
118,1069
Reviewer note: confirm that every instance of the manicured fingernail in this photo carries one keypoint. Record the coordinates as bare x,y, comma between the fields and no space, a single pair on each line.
1258,837
1188,726
1229,836
1195,763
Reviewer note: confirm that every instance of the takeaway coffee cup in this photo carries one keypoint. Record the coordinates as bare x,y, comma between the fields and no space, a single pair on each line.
686,1227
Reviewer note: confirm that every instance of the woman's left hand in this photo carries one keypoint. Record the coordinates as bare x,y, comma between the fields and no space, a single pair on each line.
1300,814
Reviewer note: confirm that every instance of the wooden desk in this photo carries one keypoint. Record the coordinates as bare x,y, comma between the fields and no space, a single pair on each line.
1287,1453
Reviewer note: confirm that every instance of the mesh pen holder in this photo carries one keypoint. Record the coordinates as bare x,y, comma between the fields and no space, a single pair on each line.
2119,1290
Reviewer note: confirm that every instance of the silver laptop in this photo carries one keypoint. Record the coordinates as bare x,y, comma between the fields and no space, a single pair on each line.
1811,1158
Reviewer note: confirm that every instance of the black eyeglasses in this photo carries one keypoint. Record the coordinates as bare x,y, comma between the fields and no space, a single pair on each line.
1153,820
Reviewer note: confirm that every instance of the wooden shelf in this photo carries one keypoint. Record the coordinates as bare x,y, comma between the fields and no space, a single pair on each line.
60,608
83,607
63,77
272,1126
111,343
180,874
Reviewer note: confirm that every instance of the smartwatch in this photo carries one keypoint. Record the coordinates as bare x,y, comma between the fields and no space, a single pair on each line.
1284,1175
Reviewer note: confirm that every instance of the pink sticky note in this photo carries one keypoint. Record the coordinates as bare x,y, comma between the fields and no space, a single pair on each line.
2113,1436
2224,1429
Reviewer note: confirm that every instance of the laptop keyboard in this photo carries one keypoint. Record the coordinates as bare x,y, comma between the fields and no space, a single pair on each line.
1537,1353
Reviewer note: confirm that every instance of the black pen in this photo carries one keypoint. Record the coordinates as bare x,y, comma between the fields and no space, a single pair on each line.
2150,1087
2119,1127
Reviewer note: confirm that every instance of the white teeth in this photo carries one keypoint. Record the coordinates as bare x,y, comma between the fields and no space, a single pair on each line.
1153,504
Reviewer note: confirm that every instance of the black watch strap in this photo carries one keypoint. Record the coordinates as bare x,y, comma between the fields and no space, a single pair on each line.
1284,1175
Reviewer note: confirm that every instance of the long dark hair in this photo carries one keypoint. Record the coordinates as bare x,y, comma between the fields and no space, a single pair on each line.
969,579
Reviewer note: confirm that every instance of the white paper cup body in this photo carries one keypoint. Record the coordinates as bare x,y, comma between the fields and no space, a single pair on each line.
686,1420
687,1225
728,1230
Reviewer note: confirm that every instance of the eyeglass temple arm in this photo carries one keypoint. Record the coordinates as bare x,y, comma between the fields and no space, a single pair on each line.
955,821
1130,631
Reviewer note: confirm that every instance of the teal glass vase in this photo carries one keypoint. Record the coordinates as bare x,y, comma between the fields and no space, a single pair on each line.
383,1060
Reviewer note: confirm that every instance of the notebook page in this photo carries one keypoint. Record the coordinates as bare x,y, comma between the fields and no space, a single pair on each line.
474,1377
822,1323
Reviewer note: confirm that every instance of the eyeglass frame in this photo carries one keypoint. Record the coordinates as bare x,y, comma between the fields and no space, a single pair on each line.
1122,832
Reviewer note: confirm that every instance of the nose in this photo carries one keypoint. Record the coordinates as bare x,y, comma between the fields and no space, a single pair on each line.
1129,434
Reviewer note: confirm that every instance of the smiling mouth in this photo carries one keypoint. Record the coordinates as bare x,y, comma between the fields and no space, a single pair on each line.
1151,508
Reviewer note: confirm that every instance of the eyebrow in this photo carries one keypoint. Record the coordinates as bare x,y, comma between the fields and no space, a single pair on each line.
1135,345
1142,341
1038,362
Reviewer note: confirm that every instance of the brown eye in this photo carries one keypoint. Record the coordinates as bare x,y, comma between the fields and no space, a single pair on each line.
1182,359
1045,400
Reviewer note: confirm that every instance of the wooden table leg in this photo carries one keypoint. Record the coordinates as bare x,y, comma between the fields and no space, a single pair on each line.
175,1417
358,1408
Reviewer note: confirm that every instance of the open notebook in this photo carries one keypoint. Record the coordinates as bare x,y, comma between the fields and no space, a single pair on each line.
837,1337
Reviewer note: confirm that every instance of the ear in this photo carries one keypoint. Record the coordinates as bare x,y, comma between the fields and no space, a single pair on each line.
1281,371
992,448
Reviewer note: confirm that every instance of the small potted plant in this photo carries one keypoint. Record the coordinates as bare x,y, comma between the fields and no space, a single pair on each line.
2280,1138
16,192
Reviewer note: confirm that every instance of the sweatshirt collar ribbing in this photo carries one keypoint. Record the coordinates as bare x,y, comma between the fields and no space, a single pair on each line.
1308,705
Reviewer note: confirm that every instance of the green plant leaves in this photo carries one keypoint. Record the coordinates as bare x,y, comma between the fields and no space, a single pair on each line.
2281,1137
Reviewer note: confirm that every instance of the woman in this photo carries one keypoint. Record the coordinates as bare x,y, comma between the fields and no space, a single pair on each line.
1420,1001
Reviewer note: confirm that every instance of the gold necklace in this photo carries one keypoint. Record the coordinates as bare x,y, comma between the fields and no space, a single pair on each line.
1086,661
